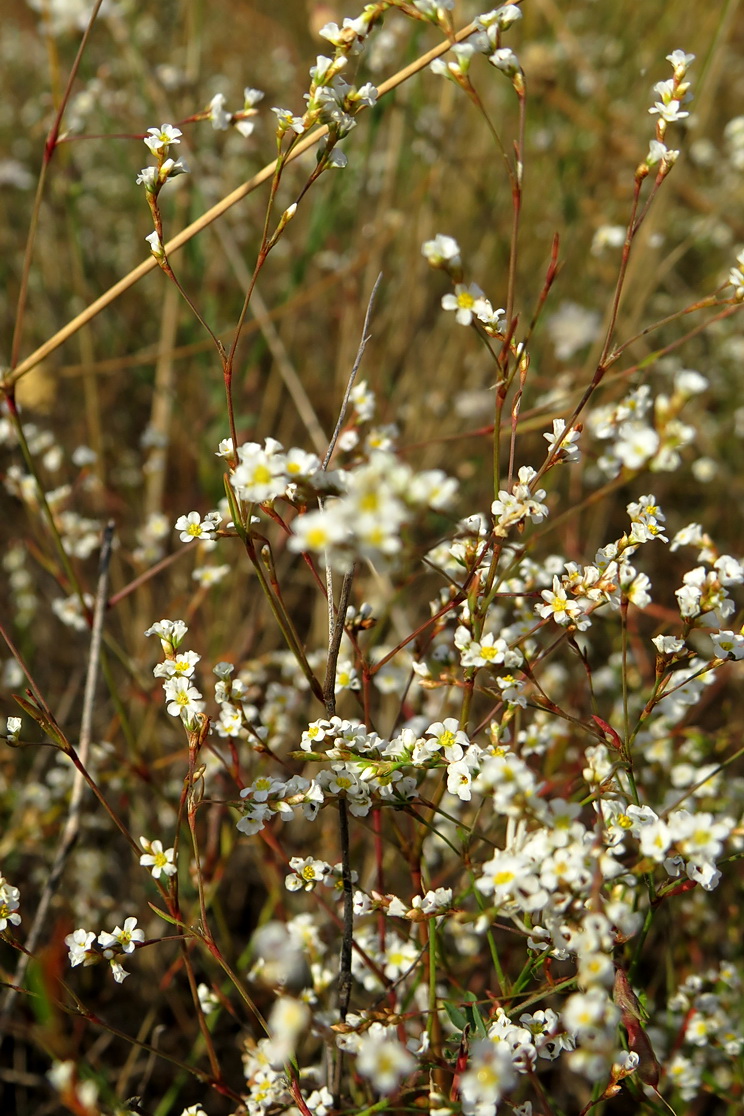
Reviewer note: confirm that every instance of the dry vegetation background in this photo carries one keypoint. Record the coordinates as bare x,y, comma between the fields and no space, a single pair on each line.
419,163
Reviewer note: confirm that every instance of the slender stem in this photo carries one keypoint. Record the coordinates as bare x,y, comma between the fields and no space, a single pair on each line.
71,829
624,261
352,377
282,619
517,187
336,621
50,147
33,690
344,979
168,270
336,633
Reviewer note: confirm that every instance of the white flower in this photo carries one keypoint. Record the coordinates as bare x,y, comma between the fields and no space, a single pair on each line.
286,122
680,61
459,778
124,938
156,859
562,444
9,902
432,489
319,531
729,570
383,1059
170,632
149,178
156,246
306,873
466,302
558,605
442,251
253,822
320,1101
501,875
192,526
636,444
79,945
505,60
728,644
347,677
118,971
608,236
437,900
699,836
659,153
251,97
207,576
500,19
69,611
655,839
13,729
159,139
288,1019
668,105
586,1013
489,651
668,645
260,475
736,277
490,1074
688,382
208,1000
219,118
183,699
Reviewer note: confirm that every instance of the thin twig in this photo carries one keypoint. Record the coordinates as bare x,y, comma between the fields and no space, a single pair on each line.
334,642
352,377
72,826
336,621
50,147
344,978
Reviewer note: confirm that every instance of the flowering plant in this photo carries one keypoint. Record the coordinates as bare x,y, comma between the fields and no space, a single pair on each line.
427,801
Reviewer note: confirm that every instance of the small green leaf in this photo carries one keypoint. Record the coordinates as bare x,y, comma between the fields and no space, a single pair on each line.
457,1017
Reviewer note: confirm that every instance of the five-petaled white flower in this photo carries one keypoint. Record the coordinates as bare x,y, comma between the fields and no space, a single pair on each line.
157,859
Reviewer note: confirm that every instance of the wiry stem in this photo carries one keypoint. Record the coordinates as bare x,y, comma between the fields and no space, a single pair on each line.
71,829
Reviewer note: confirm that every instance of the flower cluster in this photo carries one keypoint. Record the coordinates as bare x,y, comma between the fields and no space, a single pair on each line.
468,301
645,432
242,120
706,1013
376,501
512,509
672,93
159,142
192,526
85,949
334,101
182,697
488,40
265,473
364,508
